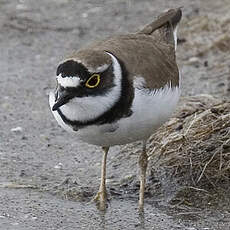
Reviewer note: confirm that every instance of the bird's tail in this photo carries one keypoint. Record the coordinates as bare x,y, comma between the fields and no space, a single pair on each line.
166,23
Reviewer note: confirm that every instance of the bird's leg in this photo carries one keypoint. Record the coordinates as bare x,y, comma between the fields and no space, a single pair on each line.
101,196
143,163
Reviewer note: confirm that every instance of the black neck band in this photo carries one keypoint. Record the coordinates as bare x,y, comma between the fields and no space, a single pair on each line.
121,108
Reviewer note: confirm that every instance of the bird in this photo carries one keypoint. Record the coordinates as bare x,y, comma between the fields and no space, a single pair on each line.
120,90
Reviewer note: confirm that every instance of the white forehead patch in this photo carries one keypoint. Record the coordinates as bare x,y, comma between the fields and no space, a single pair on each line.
68,81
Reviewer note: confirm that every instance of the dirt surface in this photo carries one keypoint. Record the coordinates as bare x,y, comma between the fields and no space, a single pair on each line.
47,177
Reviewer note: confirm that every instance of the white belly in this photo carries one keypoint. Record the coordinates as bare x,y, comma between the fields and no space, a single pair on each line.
150,111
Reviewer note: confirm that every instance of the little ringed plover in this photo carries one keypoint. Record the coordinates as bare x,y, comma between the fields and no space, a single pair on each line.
120,90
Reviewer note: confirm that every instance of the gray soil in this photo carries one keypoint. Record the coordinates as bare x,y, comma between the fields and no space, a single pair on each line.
47,177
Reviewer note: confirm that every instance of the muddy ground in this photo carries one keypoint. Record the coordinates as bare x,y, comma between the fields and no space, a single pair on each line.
47,177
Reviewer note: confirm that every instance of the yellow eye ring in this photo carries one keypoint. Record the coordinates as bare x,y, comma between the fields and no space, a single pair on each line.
93,81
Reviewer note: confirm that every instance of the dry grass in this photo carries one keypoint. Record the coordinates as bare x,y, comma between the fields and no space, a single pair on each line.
195,145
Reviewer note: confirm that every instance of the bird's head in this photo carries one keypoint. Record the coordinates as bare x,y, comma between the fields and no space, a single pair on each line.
88,84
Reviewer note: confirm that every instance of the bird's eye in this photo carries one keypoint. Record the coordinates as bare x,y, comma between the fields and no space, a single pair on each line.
93,81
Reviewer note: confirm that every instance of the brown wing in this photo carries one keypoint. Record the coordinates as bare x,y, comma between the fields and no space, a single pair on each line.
165,23
146,53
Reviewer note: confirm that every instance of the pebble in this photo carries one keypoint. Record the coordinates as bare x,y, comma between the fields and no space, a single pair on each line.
21,7
30,216
15,223
17,129
58,166
194,61
84,15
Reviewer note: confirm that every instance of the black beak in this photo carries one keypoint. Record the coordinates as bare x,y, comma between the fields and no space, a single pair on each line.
62,97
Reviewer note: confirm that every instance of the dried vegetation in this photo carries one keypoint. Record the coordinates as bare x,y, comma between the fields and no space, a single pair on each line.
195,145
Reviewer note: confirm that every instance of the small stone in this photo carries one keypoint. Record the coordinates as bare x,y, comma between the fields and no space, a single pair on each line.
84,15
58,166
194,61
17,129
30,216
21,7
111,181
38,57
22,173
24,138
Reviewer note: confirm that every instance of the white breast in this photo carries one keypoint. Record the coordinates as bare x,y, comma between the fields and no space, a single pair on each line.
150,111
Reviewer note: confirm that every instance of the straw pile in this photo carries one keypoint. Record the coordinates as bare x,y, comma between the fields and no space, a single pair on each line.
194,146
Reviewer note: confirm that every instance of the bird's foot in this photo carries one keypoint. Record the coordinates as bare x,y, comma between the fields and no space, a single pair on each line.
101,200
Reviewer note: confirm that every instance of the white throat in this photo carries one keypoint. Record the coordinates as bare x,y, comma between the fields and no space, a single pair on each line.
91,107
